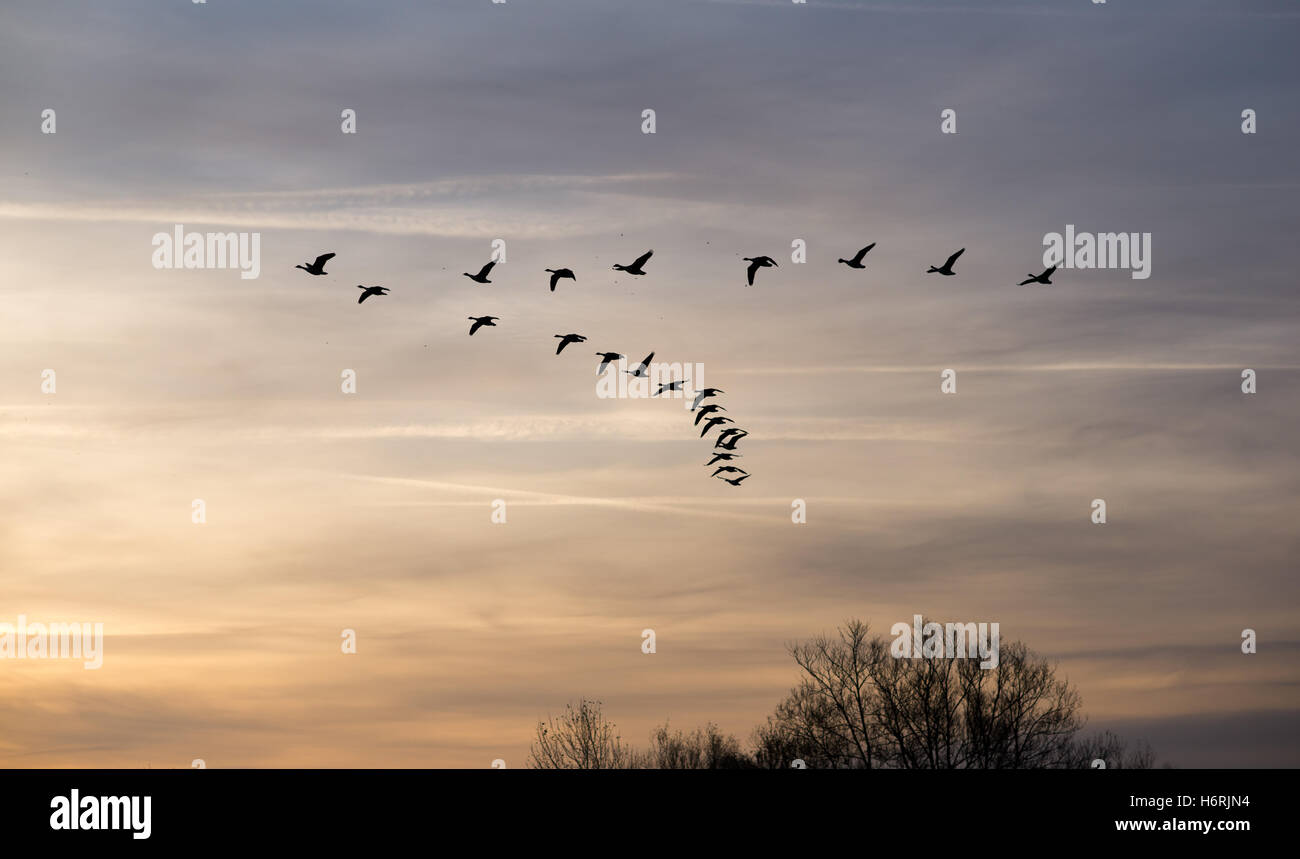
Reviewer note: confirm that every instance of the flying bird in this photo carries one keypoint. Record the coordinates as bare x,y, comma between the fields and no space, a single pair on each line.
709,409
1044,278
642,368
713,422
735,482
371,290
729,438
669,386
557,273
755,263
566,339
725,457
856,262
480,321
946,268
706,392
605,359
317,266
482,276
635,268
728,468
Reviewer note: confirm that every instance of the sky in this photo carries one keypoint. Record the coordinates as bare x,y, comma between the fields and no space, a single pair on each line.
774,122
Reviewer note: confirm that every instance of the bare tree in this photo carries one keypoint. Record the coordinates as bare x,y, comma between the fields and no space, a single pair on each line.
860,707
704,748
1115,751
579,739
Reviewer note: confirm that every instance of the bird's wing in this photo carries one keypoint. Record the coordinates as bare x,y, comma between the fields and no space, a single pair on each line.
322,259
364,296
749,272
640,261
952,259
476,326
487,268
1048,273
554,277
863,252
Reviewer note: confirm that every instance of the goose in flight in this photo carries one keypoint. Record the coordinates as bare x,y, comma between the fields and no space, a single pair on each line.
317,266
480,321
706,392
636,267
725,457
707,410
643,368
755,263
566,339
946,268
730,469
605,359
713,422
1045,278
729,438
856,262
557,273
736,481
371,290
482,276
669,386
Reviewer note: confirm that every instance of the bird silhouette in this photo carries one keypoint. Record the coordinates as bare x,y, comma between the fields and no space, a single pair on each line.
605,359
946,268
1044,278
729,438
636,267
642,368
669,386
730,469
480,321
371,290
482,276
557,273
705,392
755,263
713,422
736,481
856,262
566,339
706,410
317,266
725,457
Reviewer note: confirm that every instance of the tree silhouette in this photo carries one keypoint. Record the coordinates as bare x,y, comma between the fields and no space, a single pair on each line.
860,707
579,739
857,706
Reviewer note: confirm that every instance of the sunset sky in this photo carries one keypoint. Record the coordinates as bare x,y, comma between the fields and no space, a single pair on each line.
522,121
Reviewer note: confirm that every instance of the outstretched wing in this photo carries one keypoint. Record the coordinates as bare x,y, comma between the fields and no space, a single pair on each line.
483,272
1048,273
640,261
478,323
753,267
322,259
863,252
364,296
952,259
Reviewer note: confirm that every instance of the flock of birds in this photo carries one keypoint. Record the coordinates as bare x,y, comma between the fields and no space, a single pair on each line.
724,448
